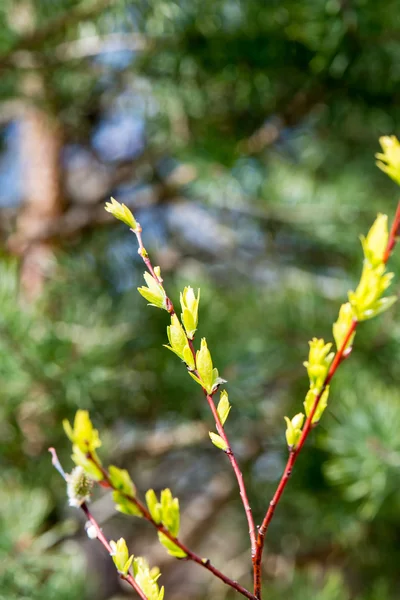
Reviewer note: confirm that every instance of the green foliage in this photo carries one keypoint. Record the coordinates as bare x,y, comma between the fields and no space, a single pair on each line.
35,564
367,471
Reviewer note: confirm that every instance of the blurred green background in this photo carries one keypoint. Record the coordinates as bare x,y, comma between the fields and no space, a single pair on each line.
242,135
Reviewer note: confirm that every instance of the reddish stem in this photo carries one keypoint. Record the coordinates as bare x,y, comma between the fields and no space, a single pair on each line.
220,428
238,473
190,555
99,533
340,355
291,461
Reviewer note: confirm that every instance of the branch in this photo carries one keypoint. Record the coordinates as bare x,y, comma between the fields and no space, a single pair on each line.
340,355
239,477
99,533
190,555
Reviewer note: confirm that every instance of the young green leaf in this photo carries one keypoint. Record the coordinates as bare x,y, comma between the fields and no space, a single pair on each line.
122,213
146,579
170,546
190,308
342,326
322,404
205,366
218,441
83,435
318,363
293,430
125,505
389,160
366,301
223,407
375,244
121,480
154,293
120,556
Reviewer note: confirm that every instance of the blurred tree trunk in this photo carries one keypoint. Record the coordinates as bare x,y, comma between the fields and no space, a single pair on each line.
41,145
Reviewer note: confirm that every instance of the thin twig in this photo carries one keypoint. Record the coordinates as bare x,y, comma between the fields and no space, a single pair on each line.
239,476
340,355
189,554
99,533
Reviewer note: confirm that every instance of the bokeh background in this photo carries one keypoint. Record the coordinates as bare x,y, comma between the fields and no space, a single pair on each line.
242,134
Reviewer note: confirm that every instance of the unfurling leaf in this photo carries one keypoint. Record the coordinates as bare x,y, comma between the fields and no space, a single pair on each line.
120,556
367,301
83,435
170,546
209,377
322,404
389,160
146,579
122,213
190,308
154,506
205,366
165,511
179,343
91,469
293,430
121,481
375,244
218,441
319,360
342,326
126,505
154,293
223,407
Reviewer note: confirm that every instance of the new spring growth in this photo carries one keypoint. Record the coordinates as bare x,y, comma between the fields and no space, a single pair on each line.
190,309
209,378
342,326
322,404
318,363
367,301
166,512
389,159
120,556
293,430
178,342
223,410
122,213
79,487
124,491
374,245
85,439
154,293
146,579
